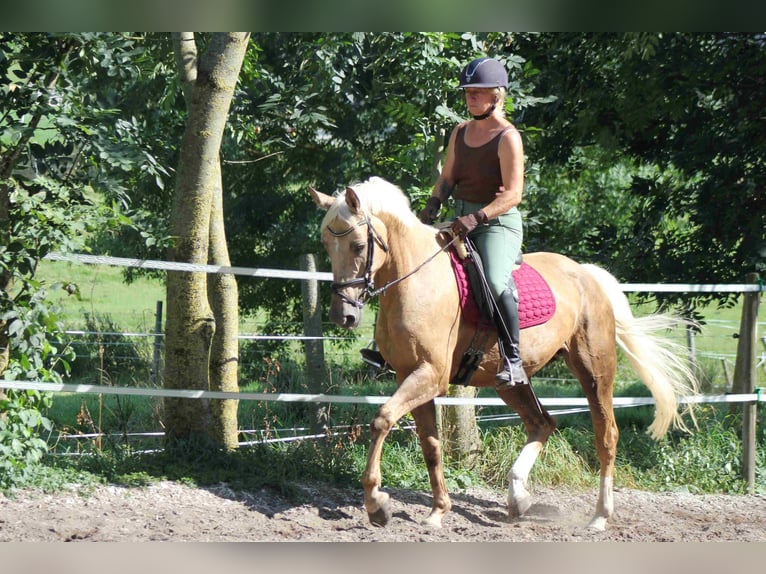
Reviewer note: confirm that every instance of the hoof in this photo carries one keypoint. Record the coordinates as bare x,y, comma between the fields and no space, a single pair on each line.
517,507
598,524
434,521
381,516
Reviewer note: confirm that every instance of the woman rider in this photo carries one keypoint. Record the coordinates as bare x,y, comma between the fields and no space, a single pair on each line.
484,172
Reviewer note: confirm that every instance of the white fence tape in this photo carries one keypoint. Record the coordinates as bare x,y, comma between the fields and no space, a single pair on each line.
171,266
684,288
289,274
321,398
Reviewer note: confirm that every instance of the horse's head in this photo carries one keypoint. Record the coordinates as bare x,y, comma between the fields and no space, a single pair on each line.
351,233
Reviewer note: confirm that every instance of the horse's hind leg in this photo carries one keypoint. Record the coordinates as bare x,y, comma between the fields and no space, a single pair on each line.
595,366
425,422
539,426
606,437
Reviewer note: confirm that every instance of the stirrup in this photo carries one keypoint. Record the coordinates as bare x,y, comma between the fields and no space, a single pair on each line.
511,376
374,359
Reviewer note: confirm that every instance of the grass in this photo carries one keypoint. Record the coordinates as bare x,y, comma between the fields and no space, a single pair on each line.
102,291
706,460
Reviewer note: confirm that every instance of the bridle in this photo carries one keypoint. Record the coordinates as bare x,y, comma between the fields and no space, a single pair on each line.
366,279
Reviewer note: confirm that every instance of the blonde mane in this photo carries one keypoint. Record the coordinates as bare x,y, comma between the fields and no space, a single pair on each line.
378,197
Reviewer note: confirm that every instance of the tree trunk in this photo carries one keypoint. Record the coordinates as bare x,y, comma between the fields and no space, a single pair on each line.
459,429
191,322
224,301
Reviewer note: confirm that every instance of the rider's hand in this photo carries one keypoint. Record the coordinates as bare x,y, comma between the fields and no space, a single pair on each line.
431,210
462,226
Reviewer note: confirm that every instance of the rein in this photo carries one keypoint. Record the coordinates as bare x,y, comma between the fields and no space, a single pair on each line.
366,279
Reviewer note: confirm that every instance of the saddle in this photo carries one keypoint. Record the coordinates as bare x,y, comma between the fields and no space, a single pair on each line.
536,305
536,302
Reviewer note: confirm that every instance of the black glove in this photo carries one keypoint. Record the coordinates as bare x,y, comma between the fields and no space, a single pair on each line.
462,226
431,210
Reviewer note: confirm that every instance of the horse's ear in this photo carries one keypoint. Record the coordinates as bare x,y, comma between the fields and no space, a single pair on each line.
322,200
352,200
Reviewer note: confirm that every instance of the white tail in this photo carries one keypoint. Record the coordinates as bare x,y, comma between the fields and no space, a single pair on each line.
659,362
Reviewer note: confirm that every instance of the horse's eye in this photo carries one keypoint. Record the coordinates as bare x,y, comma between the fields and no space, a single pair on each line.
358,248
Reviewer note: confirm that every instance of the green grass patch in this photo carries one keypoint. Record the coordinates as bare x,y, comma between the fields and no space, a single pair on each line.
101,290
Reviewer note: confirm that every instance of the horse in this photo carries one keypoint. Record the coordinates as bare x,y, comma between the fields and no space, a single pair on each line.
373,237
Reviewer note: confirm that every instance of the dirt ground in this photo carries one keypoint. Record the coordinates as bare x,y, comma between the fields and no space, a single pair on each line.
169,511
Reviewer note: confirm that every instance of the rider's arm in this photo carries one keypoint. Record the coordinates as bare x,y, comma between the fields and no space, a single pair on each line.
445,185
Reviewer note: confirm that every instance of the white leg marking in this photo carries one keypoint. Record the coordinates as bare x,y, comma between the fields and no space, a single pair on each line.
605,505
518,496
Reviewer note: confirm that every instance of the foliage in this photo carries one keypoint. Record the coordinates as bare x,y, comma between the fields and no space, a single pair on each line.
21,448
67,160
111,354
680,114
704,462
634,164
280,466
707,461
559,464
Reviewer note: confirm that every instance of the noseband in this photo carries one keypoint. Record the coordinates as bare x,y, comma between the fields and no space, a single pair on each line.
366,279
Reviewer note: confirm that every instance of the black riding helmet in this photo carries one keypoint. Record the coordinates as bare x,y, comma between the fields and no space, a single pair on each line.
484,73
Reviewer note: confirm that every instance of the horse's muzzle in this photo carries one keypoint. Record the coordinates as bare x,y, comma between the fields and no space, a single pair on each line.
344,314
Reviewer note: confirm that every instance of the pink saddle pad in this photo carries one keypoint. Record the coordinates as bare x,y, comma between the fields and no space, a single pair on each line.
536,301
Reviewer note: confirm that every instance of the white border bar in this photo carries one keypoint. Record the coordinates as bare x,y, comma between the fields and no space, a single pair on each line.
170,266
289,274
321,398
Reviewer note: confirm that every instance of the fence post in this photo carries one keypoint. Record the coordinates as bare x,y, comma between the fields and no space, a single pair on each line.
692,346
314,346
157,344
744,378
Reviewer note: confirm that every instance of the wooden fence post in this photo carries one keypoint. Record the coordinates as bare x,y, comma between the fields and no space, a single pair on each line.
313,346
744,378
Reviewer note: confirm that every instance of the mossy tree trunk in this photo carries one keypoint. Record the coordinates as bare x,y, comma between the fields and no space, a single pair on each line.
223,295
460,431
200,343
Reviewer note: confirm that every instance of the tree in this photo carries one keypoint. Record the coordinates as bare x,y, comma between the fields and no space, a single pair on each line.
202,318
64,158
681,114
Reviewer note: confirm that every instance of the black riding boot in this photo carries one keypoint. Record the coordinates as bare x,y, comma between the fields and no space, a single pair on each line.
507,320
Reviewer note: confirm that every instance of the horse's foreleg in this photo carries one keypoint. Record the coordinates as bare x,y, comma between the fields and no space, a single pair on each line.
415,390
425,422
539,426
375,501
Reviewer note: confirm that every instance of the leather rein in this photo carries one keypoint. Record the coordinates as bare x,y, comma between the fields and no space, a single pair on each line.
369,285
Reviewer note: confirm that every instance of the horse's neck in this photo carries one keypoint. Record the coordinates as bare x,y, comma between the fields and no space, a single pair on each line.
409,248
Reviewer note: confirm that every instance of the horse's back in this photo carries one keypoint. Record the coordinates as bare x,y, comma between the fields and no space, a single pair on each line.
548,263
564,275
578,299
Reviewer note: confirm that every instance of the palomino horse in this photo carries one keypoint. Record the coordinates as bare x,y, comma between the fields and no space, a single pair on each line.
371,234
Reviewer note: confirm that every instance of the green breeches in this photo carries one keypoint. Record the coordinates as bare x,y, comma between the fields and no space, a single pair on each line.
498,243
